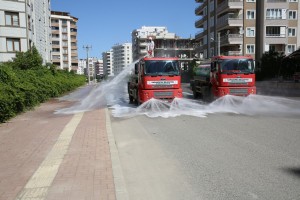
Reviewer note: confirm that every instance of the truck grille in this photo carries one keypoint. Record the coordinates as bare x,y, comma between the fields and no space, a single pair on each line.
238,91
163,94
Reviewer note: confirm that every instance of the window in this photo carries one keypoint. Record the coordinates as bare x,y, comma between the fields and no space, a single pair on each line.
293,0
292,32
275,31
54,28
291,48
251,0
250,48
250,32
292,14
13,44
250,14
274,14
12,19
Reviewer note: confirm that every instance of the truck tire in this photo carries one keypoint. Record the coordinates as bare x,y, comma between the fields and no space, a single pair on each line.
137,100
207,94
195,94
130,99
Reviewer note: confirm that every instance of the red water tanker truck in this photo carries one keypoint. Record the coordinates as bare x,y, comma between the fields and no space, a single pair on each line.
155,77
223,75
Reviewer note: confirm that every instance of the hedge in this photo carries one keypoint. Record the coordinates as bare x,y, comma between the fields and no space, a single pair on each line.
21,90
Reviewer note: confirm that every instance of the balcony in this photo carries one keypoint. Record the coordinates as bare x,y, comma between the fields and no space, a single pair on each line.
276,40
73,26
232,39
56,60
55,24
200,34
230,20
56,46
199,22
143,44
199,9
55,32
230,5
74,54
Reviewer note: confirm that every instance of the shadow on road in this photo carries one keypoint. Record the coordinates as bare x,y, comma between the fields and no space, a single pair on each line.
294,171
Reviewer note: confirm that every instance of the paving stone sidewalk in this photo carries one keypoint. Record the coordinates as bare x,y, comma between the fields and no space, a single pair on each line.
85,171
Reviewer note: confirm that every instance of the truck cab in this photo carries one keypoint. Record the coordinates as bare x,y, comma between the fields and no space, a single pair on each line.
157,78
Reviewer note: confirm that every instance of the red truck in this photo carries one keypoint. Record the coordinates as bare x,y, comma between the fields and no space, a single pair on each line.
157,78
222,75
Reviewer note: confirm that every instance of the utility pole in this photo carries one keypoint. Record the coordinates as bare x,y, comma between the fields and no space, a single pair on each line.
219,43
87,48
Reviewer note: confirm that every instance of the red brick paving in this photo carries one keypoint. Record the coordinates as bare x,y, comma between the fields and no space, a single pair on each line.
86,171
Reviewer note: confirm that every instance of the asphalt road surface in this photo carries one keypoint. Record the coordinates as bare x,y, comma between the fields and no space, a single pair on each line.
221,156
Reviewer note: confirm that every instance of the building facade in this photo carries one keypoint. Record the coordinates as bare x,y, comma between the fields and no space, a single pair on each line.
246,27
141,36
122,57
64,40
81,66
99,69
108,63
23,24
166,44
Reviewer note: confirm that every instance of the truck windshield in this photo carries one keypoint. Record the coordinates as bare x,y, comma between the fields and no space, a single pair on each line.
237,66
161,67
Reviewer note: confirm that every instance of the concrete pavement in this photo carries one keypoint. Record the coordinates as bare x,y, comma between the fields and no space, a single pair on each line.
48,156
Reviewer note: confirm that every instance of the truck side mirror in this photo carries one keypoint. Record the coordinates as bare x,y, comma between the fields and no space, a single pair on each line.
136,68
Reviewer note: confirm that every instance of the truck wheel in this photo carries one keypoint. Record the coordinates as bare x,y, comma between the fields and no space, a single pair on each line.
130,99
195,94
207,94
137,100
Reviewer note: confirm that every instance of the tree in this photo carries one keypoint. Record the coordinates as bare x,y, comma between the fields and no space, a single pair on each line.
30,59
270,64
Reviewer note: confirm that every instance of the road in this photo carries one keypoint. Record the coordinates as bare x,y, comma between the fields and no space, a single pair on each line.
219,156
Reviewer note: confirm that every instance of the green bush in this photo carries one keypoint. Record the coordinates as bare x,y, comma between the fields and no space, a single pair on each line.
23,86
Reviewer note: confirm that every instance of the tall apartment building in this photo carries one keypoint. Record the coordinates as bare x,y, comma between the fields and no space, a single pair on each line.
278,23
108,63
246,27
64,40
81,66
122,57
25,23
99,69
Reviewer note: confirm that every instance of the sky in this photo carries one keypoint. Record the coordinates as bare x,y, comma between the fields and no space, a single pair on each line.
104,23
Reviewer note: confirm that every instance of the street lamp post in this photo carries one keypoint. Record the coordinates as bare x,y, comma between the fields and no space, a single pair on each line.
87,61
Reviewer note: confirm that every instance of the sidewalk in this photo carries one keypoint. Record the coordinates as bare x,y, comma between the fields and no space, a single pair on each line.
49,156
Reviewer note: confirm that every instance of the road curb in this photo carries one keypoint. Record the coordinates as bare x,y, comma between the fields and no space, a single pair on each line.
120,187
